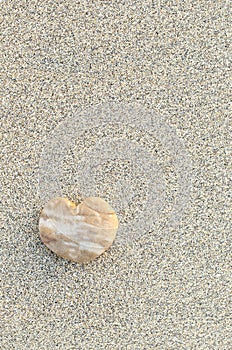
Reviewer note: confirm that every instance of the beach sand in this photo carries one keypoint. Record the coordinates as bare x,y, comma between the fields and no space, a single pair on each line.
160,286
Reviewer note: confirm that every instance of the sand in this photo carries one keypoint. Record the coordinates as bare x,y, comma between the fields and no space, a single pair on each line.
128,101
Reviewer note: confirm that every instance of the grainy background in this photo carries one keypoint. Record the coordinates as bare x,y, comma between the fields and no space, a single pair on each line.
173,289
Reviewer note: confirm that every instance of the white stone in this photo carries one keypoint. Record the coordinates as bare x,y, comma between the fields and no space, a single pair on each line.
78,233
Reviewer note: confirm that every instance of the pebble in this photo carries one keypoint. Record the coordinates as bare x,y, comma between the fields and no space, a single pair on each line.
79,233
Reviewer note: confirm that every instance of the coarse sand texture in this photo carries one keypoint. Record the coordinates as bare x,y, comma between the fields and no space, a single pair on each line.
127,101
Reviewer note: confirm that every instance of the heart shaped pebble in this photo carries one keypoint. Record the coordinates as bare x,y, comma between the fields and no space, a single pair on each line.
79,233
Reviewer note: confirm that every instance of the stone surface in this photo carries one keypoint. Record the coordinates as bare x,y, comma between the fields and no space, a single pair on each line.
78,233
